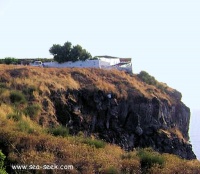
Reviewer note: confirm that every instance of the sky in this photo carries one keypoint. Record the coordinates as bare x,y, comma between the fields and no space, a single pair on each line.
161,36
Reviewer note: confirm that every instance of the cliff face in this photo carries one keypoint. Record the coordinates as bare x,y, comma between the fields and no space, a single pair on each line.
130,123
110,105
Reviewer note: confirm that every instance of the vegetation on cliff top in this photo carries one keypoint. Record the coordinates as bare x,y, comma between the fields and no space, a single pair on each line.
30,134
68,53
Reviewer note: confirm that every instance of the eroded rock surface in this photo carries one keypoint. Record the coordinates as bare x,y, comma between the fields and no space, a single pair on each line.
132,122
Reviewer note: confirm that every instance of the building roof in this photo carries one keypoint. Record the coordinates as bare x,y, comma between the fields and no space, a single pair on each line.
111,57
125,59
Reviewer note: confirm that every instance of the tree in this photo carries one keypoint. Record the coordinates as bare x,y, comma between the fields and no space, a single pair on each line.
9,60
59,51
76,52
68,53
66,50
85,55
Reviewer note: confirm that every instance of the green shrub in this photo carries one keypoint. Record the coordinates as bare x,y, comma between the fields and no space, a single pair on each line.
24,126
59,131
33,110
16,97
2,171
14,116
94,142
145,77
149,158
2,158
10,60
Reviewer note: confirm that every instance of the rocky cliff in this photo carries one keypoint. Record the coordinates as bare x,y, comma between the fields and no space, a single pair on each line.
111,105
133,122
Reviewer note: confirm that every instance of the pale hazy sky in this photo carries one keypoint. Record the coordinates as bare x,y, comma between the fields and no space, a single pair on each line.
162,36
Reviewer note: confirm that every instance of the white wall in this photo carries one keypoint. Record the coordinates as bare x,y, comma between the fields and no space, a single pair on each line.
103,64
91,64
111,61
79,64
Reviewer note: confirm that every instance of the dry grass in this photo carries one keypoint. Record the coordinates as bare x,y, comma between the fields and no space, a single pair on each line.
173,164
46,149
26,142
173,131
38,147
178,133
45,79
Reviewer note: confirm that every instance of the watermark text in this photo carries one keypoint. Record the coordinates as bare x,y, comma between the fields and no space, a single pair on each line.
42,167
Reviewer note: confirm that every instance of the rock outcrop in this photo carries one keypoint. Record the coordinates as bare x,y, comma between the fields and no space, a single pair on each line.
133,122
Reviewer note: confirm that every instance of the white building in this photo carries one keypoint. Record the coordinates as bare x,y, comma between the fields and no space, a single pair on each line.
102,62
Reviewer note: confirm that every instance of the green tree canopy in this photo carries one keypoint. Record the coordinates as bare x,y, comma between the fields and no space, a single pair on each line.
9,60
68,53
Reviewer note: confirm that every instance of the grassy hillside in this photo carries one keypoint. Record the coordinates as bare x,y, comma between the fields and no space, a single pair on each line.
30,133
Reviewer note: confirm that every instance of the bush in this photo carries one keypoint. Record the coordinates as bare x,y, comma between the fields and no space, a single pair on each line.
33,110
145,77
59,131
94,142
2,158
149,158
23,126
15,116
16,97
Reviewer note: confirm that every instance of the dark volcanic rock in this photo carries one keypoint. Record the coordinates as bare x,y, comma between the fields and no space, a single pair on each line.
133,122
